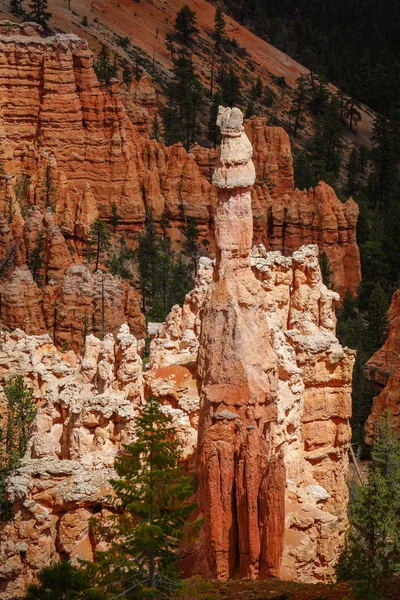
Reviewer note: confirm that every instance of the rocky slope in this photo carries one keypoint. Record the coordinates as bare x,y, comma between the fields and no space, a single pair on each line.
147,25
383,368
72,151
86,409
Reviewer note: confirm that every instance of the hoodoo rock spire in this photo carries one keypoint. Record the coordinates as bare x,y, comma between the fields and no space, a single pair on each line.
242,479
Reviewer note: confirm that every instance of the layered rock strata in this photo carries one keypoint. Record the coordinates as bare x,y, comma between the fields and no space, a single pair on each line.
87,407
275,399
86,410
242,483
73,149
383,368
79,304
313,403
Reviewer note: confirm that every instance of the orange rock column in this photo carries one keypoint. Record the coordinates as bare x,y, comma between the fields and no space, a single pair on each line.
242,481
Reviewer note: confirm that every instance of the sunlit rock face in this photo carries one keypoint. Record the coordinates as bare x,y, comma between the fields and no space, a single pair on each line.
74,147
249,369
86,411
274,399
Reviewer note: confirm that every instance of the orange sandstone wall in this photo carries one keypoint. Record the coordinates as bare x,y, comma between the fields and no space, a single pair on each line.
76,145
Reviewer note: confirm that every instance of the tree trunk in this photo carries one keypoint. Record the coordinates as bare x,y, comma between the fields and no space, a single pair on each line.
296,124
98,250
212,77
351,114
102,307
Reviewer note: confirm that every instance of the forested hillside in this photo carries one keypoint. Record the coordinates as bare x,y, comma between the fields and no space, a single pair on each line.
354,44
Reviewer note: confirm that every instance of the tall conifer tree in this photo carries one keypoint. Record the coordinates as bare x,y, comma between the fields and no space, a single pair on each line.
153,512
98,242
185,23
371,556
39,12
219,26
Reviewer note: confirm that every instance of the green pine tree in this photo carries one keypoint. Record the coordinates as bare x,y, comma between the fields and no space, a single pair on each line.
214,133
231,89
303,170
160,303
219,26
371,556
185,23
39,12
62,581
258,89
181,281
351,112
327,143
120,260
181,116
153,511
191,243
115,216
377,320
326,271
301,95
98,242
14,438
36,259
250,111
165,222
127,72
148,260
158,268
104,68
356,167
16,7
385,153
349,306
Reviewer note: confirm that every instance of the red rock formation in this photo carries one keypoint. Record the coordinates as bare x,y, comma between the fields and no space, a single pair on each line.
305,382
85,412
383,368
242,483
140,101
275,383
81,153
21,303
313,400
71,308
86,408
78,310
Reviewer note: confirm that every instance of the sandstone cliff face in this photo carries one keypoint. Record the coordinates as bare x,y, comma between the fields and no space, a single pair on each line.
383,368
86,411
140,101
292,418
70,147
71,310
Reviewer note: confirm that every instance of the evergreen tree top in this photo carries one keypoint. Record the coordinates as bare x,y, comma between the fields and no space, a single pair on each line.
153,510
